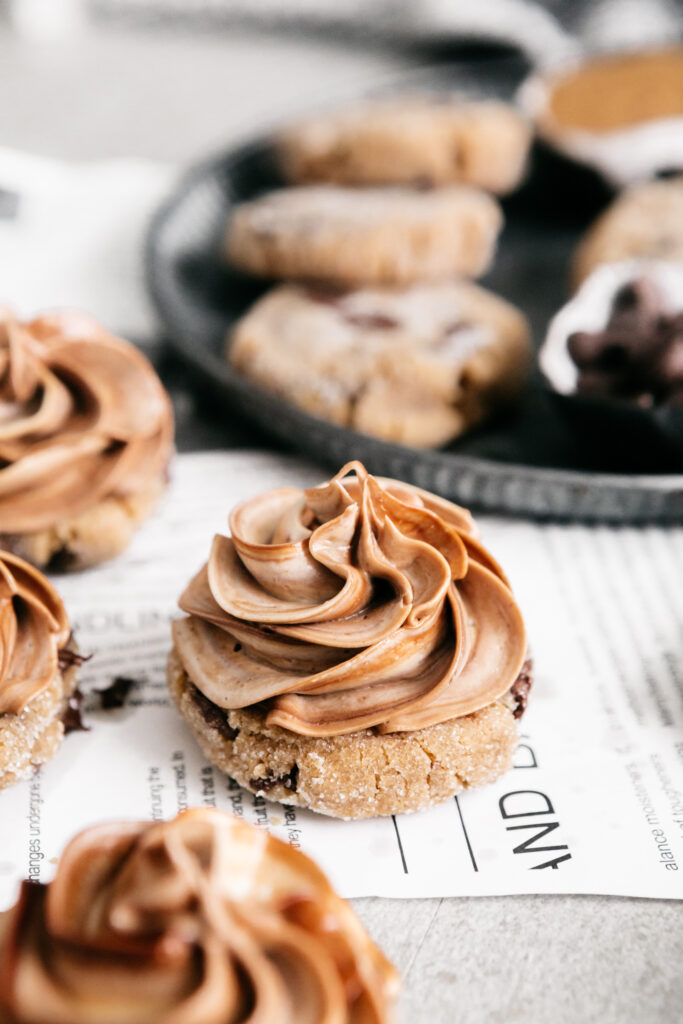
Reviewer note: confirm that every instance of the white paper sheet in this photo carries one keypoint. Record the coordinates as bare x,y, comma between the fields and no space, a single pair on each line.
594,803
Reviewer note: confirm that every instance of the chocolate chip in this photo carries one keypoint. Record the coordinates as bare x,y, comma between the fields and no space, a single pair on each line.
116,694
270,781
215,717
521,687
72,716
371,321
237,648
66,658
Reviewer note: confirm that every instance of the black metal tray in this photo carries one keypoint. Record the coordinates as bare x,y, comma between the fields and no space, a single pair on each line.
531,464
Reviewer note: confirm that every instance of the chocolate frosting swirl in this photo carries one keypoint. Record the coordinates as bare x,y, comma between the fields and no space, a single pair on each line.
34,628
200,920
83,416
360,603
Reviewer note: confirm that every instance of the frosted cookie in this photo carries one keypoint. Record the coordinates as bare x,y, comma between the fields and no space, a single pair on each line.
417,367
38,664
621,114
644,222
200,920
365,236
407,140
352,648
86,435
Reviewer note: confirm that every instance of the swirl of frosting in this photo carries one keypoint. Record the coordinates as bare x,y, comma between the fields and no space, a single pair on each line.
360,603
34,629
200,920
83,417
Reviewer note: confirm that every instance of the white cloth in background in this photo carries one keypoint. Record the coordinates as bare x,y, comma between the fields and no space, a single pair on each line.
72,235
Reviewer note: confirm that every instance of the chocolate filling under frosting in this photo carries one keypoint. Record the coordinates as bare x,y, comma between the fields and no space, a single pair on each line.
34,632
200,920
83,417
360,603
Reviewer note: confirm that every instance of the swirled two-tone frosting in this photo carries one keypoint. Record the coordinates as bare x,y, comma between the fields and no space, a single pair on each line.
34,629
360,603
83,417
201,920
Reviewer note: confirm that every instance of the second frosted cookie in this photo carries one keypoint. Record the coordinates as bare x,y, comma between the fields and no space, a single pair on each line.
365,236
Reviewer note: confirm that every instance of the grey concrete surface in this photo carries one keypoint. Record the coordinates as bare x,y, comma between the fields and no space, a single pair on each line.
565,960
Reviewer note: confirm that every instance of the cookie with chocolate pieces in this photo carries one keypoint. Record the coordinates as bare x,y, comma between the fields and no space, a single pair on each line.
419,366
352,648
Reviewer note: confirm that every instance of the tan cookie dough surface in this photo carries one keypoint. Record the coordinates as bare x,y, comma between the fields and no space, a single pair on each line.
96,535
408,140
645,222
354,237
358,775
31,737
417,367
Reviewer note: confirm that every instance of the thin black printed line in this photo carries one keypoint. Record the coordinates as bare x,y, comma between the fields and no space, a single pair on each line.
400,844
467,838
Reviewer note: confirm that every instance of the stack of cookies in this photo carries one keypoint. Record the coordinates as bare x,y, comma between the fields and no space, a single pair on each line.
389,216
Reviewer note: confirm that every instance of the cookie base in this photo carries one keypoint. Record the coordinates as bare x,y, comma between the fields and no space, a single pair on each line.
95,536
33,736
359,775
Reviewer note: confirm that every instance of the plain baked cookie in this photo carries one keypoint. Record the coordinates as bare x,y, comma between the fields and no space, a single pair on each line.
33,702
352,237
417,367
359,776
407,140
645,222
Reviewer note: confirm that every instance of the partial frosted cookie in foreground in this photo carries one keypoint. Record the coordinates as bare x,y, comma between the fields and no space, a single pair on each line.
199,920
645,222
418,367
86,436
383,236
38,666
407,140
352,648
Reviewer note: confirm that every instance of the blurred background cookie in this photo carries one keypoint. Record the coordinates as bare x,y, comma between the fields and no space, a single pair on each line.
410,139
645,221
38,666
419,366
365,236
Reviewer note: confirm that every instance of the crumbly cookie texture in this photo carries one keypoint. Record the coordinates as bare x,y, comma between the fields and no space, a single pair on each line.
407,140
33,736
351,237
94,536
645,222
360,775
416,367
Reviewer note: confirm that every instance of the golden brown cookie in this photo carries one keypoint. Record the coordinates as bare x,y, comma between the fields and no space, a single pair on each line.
37,669
378,236
86,435
352,648
645,222
201,920
361,775
418,366
408,140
